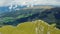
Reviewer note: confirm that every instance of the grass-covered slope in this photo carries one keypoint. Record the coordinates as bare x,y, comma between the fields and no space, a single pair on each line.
34,27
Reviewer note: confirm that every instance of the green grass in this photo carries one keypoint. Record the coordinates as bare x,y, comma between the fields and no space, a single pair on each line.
23,16
34,27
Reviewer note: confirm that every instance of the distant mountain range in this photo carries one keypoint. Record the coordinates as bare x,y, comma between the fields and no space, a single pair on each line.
18,7
10,8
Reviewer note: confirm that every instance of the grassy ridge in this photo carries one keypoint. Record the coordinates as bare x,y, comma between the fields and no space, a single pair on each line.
34,27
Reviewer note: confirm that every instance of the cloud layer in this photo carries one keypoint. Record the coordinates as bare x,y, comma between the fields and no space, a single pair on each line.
29,2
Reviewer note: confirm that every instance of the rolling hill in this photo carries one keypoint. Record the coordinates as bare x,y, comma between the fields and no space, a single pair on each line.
34,27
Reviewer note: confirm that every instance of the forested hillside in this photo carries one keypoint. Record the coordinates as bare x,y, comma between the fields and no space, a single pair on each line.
48,14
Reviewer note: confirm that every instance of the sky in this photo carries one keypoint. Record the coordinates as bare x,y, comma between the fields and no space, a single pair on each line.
29,2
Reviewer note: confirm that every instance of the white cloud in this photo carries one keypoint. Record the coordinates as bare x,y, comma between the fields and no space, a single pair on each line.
27,2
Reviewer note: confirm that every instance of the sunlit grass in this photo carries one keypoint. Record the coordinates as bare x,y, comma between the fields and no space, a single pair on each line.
34,27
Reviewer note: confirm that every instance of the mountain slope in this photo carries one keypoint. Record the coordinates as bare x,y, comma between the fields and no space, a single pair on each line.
47,13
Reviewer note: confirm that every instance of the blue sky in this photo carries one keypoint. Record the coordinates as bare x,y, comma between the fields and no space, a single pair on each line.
29,2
